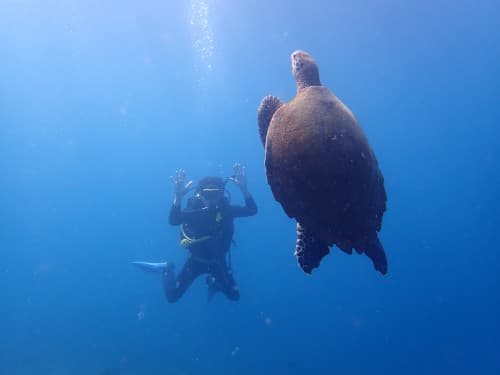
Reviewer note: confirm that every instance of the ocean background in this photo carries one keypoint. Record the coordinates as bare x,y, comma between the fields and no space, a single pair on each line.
100,103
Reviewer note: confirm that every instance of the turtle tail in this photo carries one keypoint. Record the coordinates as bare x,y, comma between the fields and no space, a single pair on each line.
267,107
309,249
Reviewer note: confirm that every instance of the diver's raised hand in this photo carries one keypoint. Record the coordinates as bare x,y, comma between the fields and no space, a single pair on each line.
181,187
240,178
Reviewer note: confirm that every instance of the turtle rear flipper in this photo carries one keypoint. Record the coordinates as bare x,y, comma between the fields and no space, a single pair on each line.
309,249
372,247
267,107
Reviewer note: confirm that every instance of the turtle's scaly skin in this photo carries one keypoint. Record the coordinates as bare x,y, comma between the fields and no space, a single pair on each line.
323,172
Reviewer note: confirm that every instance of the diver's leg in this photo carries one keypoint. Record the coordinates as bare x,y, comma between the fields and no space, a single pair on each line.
223,281
175,287
375,251
309,249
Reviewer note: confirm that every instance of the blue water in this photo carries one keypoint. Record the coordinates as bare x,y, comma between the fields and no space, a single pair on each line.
101,101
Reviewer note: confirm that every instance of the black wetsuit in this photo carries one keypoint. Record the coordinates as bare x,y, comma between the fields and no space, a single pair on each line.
209,233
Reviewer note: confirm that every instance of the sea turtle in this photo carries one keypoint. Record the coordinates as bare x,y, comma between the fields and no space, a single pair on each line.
322,170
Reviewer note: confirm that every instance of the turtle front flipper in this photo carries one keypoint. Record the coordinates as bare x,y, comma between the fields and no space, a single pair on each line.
267,107
309,249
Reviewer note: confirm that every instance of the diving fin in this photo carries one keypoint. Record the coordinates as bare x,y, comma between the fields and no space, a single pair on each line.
153,267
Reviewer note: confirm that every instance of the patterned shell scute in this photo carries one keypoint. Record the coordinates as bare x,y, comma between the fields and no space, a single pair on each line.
321,168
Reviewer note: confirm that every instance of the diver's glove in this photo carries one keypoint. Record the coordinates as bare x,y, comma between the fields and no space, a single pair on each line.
181,187
240,179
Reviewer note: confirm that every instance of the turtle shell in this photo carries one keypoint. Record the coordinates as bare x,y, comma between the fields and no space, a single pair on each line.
322,170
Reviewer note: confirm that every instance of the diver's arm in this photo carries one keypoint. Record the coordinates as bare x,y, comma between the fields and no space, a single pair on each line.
180,216
249,209
250,205
175,216
240,179
181,187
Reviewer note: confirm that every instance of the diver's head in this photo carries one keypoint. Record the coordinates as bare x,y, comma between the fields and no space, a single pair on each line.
211,190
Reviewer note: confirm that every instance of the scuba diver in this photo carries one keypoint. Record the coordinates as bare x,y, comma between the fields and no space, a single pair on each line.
206,228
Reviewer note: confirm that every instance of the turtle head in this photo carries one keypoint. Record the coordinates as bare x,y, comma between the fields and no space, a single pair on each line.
304,69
